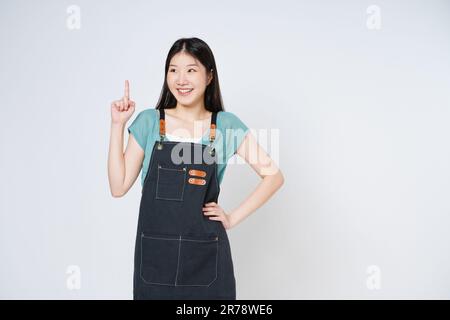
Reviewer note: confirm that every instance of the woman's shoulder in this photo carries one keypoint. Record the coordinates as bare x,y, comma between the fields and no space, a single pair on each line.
229,119
146,118
149,113
226,117
143,125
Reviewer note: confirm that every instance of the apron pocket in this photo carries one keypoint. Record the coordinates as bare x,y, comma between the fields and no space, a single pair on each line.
170,183
198,261
159,259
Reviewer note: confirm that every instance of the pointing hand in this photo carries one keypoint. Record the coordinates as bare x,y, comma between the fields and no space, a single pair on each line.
123,109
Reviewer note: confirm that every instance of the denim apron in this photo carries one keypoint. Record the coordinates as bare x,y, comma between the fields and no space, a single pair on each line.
179,252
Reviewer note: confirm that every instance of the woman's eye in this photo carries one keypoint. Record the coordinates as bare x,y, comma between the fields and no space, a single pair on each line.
171,70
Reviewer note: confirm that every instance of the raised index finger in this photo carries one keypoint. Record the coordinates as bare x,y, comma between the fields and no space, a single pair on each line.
127,89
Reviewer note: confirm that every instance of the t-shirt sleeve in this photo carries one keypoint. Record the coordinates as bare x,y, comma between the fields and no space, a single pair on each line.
235,134
140,127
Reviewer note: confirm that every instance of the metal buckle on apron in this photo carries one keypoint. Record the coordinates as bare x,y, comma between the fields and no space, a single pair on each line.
212,151
212,136
160,145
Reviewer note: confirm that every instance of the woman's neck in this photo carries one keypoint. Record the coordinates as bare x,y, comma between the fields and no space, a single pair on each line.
189,113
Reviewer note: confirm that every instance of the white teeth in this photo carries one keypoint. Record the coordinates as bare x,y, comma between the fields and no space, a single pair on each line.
185,90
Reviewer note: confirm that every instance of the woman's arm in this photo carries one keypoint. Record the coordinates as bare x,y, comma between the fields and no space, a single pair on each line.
123,168
265,167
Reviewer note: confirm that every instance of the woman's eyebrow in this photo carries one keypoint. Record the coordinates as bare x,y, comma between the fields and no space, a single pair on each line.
194,64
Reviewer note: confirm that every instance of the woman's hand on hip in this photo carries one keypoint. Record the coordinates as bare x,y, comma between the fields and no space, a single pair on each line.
215,212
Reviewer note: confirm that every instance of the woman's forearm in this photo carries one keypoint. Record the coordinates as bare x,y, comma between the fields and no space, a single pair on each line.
265,189
116,161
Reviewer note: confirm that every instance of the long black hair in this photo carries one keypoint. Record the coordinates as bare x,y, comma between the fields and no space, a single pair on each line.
198,49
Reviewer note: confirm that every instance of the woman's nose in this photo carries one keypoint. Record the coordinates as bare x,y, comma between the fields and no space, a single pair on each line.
181,78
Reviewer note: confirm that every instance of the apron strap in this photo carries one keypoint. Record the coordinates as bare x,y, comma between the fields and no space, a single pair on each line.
212,133
162,127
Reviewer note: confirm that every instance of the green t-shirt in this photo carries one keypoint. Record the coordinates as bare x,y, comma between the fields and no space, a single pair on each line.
230,132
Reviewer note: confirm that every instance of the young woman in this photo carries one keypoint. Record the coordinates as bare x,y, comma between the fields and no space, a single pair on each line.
183,145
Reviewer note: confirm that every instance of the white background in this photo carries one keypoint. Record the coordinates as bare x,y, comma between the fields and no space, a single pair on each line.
362,115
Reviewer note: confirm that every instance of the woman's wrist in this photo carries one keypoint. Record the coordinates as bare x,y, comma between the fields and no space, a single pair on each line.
117,125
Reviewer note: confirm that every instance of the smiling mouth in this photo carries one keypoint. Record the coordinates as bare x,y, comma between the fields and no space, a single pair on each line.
184,92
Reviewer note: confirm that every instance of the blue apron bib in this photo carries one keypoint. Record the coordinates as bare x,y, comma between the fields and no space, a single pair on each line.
179,252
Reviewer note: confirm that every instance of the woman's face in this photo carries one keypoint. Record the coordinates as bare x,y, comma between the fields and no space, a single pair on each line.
187,79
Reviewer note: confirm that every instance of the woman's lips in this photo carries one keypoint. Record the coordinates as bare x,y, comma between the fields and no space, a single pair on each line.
184,92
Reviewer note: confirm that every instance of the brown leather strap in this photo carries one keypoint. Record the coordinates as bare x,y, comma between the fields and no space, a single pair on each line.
198,173
162,122
212,133
162,127
199,182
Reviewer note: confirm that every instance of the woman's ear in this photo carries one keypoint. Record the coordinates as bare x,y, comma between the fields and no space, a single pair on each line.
210,77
